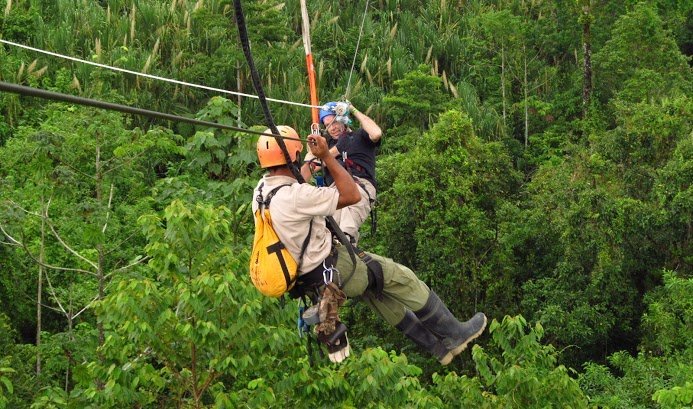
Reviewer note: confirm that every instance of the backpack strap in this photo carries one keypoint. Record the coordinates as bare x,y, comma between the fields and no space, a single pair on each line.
304,246
266,202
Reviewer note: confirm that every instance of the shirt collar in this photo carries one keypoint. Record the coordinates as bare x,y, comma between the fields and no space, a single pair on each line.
278,180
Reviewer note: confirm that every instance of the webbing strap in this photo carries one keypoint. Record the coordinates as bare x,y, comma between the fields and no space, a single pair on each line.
264,202
375,270
279,246
371,201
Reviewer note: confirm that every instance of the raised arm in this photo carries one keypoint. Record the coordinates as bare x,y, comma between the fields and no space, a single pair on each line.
348,191
305,170
367,124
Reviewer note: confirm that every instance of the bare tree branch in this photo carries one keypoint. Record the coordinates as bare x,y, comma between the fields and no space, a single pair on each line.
17,205
86,307
119,244
50,307
77,171
54,295
60,239
136,262
15,242
124,163
108,213
33,300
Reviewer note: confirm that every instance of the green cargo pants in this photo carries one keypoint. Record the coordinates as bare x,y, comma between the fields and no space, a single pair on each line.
402,290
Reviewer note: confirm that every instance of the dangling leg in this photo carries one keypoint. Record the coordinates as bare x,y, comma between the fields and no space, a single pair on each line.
403,291
412,328
408,324
455,335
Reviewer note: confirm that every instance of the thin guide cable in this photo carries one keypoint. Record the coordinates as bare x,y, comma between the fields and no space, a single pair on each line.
356,51
154,77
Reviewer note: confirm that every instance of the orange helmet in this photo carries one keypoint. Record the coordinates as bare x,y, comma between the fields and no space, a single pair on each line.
269,152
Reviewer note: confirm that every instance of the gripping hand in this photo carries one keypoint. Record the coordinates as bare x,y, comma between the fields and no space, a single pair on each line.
342,108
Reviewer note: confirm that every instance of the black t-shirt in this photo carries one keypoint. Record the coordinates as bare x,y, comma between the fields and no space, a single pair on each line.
357,154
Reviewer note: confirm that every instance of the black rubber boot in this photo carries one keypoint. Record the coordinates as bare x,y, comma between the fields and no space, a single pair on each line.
412,328
453,334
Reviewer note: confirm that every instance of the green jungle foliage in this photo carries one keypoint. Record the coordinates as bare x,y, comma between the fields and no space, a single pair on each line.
562,208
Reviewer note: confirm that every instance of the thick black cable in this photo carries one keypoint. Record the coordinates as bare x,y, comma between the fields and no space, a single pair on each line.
243,34
245,42
40,93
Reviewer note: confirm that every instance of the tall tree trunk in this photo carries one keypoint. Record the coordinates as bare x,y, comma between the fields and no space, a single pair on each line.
99,245
587,52
71,337
39,292
239,85
505,122
525,86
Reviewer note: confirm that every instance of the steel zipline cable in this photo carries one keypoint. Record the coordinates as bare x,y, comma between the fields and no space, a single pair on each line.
36,92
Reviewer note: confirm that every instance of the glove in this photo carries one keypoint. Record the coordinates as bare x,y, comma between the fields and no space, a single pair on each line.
342,108
340,350
337,343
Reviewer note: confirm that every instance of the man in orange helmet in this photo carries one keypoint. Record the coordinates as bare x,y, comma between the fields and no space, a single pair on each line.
299,210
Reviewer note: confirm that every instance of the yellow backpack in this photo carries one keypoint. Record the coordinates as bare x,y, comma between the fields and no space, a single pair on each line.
273,269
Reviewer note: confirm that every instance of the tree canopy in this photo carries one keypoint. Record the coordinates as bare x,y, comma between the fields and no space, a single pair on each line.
536,165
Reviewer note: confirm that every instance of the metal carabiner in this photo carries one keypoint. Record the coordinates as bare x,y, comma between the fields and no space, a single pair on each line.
330,272
327,272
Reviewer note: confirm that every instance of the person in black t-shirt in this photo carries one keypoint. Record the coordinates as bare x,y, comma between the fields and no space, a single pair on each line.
356,151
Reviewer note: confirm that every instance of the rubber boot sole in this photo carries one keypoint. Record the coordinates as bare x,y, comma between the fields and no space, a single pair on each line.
447,358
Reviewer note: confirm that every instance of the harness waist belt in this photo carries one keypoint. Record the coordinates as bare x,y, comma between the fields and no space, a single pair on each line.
315,277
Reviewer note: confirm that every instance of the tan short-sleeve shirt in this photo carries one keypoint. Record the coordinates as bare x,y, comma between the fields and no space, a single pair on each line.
292,208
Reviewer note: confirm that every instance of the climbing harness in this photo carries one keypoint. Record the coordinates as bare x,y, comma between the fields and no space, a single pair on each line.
320,296
350,166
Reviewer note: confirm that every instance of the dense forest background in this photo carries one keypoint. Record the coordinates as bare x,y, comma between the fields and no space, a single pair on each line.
536,165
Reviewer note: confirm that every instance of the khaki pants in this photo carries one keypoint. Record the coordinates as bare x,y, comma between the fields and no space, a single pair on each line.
402,290
352,217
